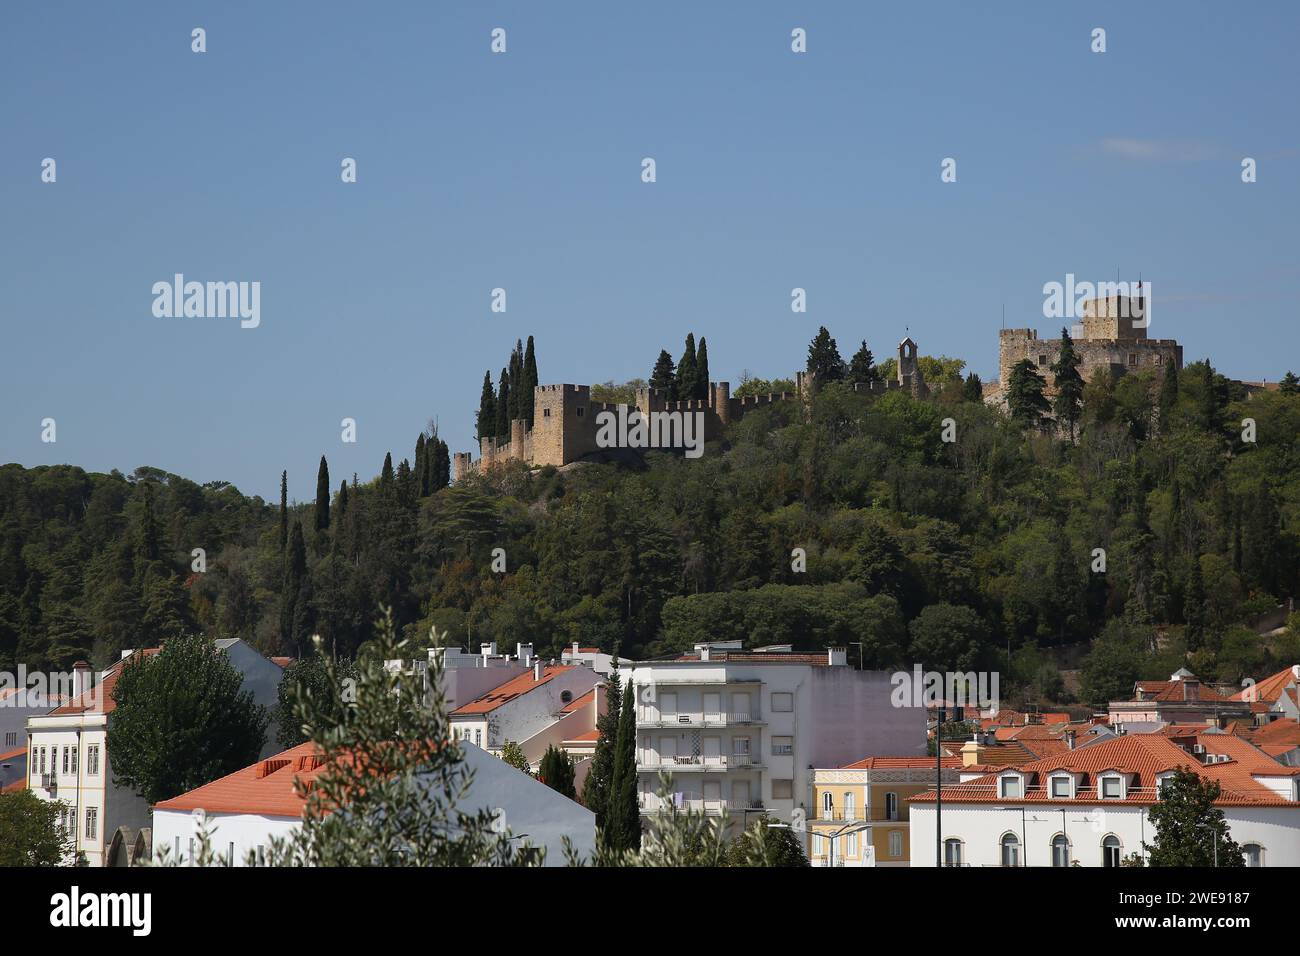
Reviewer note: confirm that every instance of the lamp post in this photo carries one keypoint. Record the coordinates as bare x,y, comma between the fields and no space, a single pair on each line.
1215,830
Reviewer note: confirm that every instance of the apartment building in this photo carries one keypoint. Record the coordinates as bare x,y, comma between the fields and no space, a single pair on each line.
861,815
1090,806
740,731
68,759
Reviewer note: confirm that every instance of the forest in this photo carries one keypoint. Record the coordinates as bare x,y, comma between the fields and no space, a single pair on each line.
1148,540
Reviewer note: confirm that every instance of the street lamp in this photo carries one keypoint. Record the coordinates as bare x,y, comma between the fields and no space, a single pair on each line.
847,830
1215,830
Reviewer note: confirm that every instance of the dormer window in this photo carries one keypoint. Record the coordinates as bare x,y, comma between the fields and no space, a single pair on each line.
1062,787
1009,787
1112,787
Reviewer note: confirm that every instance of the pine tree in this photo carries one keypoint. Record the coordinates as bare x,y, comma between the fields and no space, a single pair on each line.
502,429
1290,384
322,495
862,367
1069,384
664,375
485,425
702,371
284,511
687,372
530,383
973,389
824,360
1025,398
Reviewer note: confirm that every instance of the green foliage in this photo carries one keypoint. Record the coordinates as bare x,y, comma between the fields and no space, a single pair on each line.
556,771
32,832
181,720
766,844
1068,406
1189,829
1025,395
621,824
307,677
664,375
598,785
824,361
513,754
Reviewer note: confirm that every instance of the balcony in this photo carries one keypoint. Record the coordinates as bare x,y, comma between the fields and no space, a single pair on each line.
697,763
50,782
652,718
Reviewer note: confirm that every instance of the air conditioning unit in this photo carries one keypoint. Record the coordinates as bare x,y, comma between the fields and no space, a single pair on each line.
1198,748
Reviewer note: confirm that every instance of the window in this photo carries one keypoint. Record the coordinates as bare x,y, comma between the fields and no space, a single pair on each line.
1060,786
782,789
11,740
828,806
546,413
42,760
1254,854
850,805
230,858
740,746
92,760
782,746
952,852
1010,850
896,843
1110,848
1132,358
66,758
782,703
478,737
1060,851
818,845
1160,359
1110,788
75,753
851,844
1042,360
1010,788
92,823
580,410
891,806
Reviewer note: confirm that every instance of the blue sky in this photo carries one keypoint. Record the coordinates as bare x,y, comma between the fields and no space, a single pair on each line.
522,171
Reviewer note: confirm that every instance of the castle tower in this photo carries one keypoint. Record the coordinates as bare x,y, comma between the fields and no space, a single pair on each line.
721,395
518,426
564,427
909,371
460,465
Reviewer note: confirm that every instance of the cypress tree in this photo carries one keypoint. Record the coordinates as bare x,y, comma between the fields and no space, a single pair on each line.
596,791
687,373
323,495
973,389
485,425
342,509
502,429
292,608
441,476
664,375
702,371
1069,384
284,511
623,818
556,771
530,382
1194,607
421,466
386,474
516,385
1168,395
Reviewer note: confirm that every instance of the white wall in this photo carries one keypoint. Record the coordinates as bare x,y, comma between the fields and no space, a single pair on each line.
1276,829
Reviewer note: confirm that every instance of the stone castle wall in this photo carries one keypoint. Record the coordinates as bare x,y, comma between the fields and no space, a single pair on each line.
565,418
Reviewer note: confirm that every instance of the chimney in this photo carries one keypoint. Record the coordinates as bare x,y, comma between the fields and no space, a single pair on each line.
537,669
837,656
525,653
704,652
575,648
80,678
1069,739
970,751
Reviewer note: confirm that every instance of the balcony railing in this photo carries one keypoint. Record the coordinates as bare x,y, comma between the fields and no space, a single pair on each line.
733,718
688,761
49,781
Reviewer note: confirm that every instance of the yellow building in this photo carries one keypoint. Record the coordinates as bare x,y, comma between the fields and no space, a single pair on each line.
860,812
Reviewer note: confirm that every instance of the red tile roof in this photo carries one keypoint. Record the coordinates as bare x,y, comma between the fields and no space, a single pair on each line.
899,763
511,689
99,699
1141,756
11,754
590,737
265,788
1283,731
579,702
1270,688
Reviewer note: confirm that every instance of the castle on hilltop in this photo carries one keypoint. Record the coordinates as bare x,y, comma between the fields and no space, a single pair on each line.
565,417
1108,336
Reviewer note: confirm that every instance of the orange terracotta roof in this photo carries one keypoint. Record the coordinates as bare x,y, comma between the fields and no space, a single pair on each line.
283,662
10,755
508,691
99,699
19,784
1140,756
1270,688
899,763
579,702
265,788
590,737
1167,691
1283,731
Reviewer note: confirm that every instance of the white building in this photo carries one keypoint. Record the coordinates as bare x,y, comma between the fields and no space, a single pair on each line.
1091,806
68,757
249,808
740,731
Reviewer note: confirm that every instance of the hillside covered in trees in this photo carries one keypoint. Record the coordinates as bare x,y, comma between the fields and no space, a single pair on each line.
977,552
